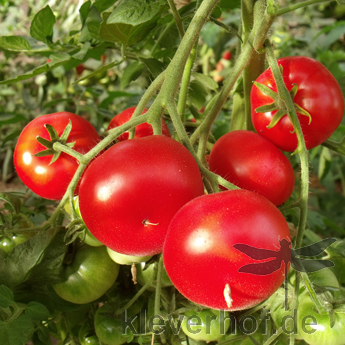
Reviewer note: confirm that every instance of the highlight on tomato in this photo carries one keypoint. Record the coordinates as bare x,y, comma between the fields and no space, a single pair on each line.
130,193
252,162
200,255
40,173
142,130
318,100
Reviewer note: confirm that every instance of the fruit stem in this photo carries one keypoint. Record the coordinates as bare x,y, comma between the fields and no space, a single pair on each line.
299,5
177,18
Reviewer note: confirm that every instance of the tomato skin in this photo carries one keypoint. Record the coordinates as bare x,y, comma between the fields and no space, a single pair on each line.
129,194
145,274
7,243
322,334
36,172
199,256
142,130
318,93
252,162
205,325
89,276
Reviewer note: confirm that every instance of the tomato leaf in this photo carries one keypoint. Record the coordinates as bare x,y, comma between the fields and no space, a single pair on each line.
14,43
132,72
42,25
16,331
103,5
6,296
38,260
197,93
154,66
37,311
13,200
135,12
206,80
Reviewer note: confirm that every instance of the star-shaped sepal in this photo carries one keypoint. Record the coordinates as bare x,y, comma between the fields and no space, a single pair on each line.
54,137
278,104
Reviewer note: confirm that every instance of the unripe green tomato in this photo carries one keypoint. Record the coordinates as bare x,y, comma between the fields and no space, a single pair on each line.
89,276
7,243
145,274
108,326
315,328
87,335
207,325
123,259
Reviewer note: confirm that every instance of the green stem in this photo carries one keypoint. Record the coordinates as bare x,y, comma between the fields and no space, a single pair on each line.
157,307
152,89
63,148
177,18
299,5
181,106
273,337
137,295
242,61
285,96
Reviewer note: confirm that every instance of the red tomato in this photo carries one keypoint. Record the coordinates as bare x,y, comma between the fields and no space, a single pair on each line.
50,181
252,162
199,254
227,55
143,130
80,69
318,93
130,193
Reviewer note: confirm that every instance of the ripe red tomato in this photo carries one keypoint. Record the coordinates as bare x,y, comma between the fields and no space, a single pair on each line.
199,253
50,181
252,162
130,193
318,93
143,130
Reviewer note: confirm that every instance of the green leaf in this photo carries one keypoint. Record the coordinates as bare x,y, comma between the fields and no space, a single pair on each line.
16,331
154,66
9,118
135,12
229,4
82,52
6,296
14,43
206,80
13,200
325,163
115,94
42,25
84,10
103,5
197,94
125,33
132,72
39,259
37,311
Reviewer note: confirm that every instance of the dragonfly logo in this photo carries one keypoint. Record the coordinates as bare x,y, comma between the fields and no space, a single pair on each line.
287,255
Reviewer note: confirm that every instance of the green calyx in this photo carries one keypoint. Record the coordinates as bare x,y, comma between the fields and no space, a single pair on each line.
54,137
278,105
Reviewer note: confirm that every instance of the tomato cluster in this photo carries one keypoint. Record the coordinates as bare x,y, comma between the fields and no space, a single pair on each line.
145,196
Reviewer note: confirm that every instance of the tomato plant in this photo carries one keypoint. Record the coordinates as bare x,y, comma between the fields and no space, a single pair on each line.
142,130
252,162
7,243
129,194
39,173
316,92
90,274
206,325
146,273
199,253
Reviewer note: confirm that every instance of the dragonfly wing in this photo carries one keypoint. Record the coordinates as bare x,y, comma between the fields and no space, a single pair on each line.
305,265
256,253
262,268
314,249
